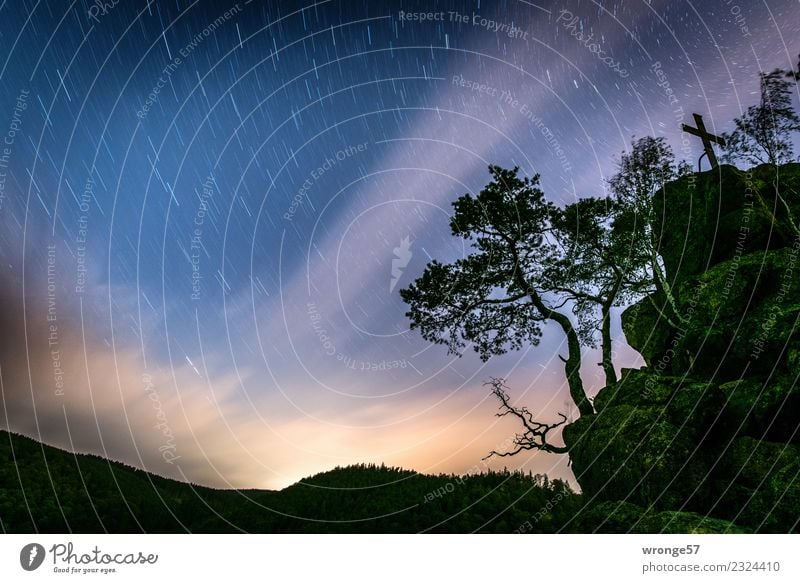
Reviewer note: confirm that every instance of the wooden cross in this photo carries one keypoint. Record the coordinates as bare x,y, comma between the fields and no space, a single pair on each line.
707,138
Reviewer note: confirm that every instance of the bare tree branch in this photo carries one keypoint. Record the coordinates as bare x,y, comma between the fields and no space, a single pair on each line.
535,433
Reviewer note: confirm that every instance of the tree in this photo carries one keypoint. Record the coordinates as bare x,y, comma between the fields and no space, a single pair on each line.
763,133
534,435
499,296
794,74
641,173
532,262
593,270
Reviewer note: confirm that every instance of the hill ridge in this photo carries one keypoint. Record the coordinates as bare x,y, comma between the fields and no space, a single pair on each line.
89,493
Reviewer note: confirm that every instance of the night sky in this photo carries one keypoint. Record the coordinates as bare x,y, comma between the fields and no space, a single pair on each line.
207,210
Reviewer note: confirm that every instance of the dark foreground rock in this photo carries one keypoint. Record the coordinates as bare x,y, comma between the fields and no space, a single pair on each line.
707,436
623,517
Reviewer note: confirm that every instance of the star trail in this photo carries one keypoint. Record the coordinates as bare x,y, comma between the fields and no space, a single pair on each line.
207,210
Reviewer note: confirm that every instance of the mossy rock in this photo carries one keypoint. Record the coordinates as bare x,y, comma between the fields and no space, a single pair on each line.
705,218
684,401
742,319
674,522
636,454
764,409
745,318
619,517
759,484
646,330
730,248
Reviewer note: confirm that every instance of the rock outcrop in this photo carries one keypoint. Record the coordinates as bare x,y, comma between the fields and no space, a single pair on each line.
711,425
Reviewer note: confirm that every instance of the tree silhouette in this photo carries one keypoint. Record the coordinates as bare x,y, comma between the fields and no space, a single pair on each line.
534,435
763,133
641,173
532,263
594,270
498,297
795,74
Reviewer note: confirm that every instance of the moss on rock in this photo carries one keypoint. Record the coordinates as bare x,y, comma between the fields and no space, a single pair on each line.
618,517
764,485
711,424
702,216
636,454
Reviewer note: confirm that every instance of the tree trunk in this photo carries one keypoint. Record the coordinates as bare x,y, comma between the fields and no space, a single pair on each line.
662,286
608,361
572,364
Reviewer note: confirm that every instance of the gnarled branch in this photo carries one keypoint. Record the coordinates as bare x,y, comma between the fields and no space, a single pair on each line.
535,433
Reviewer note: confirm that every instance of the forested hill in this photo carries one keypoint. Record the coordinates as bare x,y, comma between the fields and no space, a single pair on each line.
50,490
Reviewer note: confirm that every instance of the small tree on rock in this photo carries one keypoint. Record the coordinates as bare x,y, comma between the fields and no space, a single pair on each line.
641,173
763,134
